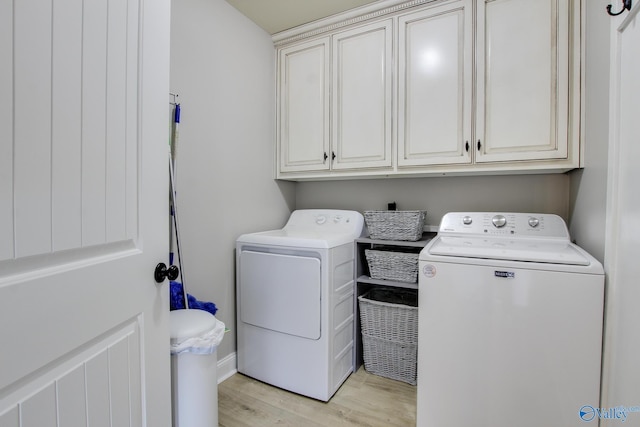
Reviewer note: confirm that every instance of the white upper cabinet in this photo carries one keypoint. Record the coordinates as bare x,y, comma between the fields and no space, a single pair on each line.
361,97
522,80
303,116
428,87
435,58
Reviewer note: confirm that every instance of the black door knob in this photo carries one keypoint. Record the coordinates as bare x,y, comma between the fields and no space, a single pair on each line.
162,272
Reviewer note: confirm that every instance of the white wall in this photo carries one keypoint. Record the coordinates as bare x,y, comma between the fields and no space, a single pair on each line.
588,190
222,67
516,193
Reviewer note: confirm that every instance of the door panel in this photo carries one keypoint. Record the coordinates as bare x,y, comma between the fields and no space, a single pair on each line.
435,85
522,78
95,384
84,325
74,150
304,106
362,79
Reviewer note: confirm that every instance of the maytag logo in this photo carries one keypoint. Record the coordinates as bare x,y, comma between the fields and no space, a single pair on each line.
505,274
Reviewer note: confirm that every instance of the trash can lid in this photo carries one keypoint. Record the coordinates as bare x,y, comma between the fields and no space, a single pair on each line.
184,324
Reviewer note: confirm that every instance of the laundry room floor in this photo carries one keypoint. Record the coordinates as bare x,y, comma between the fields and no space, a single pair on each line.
363,400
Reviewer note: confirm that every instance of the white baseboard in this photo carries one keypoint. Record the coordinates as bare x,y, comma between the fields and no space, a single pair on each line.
227,367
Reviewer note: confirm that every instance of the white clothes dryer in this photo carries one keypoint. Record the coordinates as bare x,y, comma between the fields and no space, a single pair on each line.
294,298
510,324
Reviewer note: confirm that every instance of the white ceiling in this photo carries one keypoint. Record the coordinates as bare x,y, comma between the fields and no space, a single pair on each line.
279,15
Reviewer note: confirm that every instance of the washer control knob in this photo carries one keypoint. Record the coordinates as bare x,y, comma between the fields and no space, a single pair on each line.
534,222
467,220
337,219
321,219
499,221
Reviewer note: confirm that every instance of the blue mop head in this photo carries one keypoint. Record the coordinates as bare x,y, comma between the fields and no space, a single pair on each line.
176,301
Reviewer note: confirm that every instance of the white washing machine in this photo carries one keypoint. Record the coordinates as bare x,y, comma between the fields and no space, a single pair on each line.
295,302
510,324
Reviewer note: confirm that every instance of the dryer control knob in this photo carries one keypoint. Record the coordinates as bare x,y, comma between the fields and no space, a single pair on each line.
499,221
467,220
534,222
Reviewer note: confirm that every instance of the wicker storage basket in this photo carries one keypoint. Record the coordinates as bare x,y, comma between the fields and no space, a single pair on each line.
395,225
388,265
389,322
390,359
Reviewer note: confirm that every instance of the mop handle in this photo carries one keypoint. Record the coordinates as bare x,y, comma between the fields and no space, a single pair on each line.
177,232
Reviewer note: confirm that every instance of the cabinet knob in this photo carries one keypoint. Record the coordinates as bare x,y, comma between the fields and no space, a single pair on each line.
325,157
466,146
333,155
479,145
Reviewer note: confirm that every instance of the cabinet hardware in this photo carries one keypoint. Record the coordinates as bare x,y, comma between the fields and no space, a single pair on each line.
333,155
325,157
466,146
479,145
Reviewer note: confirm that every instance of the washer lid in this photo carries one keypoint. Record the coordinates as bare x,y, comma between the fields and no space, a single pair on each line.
529,250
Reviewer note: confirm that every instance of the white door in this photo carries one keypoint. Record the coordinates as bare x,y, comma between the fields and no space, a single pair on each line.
83,213
522,80
435,85
361,103
621,372
303,114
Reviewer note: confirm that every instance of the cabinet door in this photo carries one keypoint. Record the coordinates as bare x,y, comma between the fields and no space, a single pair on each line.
522,80
303,116
435,85
362,80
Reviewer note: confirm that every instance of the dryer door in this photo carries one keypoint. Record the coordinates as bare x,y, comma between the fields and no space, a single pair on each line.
281,292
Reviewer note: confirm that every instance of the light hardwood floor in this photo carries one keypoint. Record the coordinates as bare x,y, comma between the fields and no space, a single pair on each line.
363,400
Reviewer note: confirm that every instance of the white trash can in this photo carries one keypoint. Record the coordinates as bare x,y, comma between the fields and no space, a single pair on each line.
195,336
